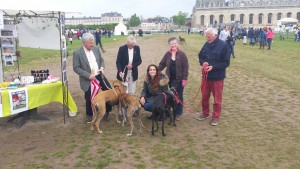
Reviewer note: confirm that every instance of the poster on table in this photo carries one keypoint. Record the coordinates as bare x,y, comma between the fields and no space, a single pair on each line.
8,59
6,33
1,111
18,100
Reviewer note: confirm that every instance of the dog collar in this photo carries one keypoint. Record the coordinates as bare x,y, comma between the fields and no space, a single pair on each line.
165,98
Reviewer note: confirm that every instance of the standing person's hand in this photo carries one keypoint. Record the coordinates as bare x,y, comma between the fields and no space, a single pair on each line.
92,76
209,68
183,83
101,70
121,74
204,66
129,66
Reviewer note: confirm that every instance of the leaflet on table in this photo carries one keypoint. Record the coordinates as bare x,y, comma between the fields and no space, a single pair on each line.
1,110
18,100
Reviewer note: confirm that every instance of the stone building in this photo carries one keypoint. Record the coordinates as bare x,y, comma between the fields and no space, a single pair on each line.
248,13
106,18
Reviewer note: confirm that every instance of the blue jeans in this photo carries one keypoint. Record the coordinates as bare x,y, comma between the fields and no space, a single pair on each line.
252,41
148,104
231,47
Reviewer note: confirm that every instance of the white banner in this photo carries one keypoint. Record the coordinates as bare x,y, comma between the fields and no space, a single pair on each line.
1,20
18,100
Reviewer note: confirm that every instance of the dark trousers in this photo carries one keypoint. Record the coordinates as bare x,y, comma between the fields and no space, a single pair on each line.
105,85
178,85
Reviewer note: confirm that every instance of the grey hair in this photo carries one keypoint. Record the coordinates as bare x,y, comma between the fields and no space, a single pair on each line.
211,30
131,40
173,38
87,37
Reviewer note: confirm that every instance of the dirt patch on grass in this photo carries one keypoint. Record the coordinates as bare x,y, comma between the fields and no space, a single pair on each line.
259,126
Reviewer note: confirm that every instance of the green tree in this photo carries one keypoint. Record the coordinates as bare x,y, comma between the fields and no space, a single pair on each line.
134,21
180,19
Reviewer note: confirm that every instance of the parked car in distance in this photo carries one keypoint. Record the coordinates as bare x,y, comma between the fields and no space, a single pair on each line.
196,30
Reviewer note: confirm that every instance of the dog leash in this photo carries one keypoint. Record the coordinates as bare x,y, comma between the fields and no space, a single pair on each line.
103,77
203,86
123,79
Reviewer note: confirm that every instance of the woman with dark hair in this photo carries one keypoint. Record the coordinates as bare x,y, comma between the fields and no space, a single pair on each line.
155,83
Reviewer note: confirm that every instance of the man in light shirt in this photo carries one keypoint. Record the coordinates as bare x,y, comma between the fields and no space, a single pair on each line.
88,63
128,60
224,34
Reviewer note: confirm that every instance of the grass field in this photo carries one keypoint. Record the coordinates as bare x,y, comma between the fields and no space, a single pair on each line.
259,125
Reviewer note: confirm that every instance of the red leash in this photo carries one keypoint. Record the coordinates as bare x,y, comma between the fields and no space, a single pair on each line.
202,87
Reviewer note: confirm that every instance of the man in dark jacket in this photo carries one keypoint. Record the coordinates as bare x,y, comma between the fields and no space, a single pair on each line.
128,60
214,58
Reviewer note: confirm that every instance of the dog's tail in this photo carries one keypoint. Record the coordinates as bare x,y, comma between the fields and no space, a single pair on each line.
96,112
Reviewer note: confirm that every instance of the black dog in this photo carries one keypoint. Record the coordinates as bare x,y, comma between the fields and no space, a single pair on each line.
161,106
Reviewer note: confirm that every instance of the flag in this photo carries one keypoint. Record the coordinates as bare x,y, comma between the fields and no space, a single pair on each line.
95,88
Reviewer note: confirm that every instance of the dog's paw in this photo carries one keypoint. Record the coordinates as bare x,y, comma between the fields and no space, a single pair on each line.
129,134
100,132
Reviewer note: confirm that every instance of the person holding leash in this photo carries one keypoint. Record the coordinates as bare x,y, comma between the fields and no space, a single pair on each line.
177,69
128,60
88,64
214,58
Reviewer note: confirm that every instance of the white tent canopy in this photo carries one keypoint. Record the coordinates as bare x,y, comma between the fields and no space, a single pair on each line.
120,28
36,28
284,20
38,23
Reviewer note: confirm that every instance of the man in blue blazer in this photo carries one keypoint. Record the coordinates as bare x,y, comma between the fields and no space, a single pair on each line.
128,60
88,63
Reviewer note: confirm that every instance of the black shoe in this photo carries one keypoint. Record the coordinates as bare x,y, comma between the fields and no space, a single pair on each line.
89,118
105,117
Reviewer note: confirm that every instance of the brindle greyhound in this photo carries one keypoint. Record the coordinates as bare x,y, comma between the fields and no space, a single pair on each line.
129,102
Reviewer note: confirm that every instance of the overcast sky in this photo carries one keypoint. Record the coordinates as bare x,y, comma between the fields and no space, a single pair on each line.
144,8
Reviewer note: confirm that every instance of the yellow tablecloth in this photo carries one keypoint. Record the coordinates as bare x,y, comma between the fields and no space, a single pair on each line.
38,95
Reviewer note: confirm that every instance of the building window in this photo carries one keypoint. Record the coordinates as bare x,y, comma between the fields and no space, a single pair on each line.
270,15
232,17
202,19
221,17
279,15
242,19
211,19
260,18
251,19
289,14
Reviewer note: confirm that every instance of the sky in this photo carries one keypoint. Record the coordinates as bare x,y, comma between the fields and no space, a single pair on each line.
94,8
